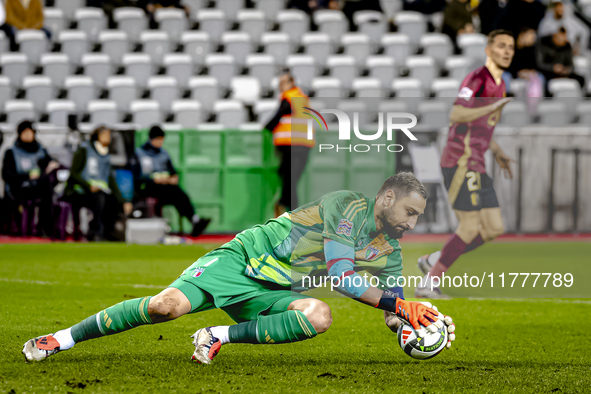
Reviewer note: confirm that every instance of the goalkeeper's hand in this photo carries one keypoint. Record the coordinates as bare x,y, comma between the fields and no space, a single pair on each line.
416,313
428,312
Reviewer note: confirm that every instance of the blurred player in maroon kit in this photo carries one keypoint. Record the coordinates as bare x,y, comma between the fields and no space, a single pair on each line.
473,117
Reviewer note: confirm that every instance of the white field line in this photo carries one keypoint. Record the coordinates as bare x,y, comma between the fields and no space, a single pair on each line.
145,286
41,282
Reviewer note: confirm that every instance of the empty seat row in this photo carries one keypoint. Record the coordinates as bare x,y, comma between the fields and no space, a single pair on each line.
187,113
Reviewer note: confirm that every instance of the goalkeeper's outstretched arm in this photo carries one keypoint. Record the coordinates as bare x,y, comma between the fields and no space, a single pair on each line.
340,262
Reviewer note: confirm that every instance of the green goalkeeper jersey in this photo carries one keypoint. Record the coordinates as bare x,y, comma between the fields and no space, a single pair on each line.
287,249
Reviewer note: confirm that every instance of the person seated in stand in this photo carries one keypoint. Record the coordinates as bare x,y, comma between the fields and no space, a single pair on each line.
92,185
21,15
25,171
555,58
156,177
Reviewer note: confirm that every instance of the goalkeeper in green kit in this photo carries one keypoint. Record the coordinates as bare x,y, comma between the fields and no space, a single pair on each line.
257,278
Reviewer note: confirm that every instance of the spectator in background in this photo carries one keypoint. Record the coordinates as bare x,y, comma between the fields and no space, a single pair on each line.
559,16
554,56
25,171
524,67
457,19
92,185
290,137
156,177
23,14
523,14
524,62
493,14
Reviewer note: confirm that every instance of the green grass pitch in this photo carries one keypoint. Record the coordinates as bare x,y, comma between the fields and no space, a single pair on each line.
536,345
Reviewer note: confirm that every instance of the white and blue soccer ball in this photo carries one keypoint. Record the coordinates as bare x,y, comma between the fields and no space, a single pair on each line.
421,344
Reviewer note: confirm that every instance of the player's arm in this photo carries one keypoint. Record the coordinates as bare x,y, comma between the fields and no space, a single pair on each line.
462,114
340,264
466,108
502,158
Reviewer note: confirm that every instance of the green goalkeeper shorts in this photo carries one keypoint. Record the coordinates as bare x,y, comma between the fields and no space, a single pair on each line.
220,274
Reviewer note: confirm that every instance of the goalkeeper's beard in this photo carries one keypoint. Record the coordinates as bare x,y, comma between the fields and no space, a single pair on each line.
394,232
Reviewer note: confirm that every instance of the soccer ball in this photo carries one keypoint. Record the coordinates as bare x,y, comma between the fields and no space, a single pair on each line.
424,346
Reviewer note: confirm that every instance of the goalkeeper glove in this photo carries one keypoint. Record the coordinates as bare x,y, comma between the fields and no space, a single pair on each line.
447,320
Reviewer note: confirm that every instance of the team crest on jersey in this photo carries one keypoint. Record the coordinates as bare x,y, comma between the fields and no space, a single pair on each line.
371,253
466,93
198,272
345,227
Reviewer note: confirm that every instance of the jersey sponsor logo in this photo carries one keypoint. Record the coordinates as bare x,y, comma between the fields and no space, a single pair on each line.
345,227
198,272
371,253
466,93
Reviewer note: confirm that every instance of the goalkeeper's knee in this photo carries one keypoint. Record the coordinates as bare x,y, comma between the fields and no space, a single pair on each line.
317,312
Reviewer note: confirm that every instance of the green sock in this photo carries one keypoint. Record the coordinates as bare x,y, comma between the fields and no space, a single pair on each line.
117,318
289,326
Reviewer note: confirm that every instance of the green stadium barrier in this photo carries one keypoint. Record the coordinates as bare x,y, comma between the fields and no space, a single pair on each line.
231,175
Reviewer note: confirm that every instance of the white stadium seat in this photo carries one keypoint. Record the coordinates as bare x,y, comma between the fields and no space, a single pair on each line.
397,46
382,67
331,22
252,22
179,66
56,66
422,68
318,46
131,20
173,21
139,66
103,112
213,22
164,90
32,43
38,90
262,67
294,23
371,23
205,90
222,67
59,110
81,90
53,19
229,113
197,45
98,67
303,69
114,43
19,110
277,45
187,113
146,113
344,68
6,91
237,44
356,45
74,44
122,90
156,44
411,23
92,21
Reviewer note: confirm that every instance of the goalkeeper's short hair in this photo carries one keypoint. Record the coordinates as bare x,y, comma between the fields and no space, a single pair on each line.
403,184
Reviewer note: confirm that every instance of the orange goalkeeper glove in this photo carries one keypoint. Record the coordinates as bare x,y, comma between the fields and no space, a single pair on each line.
415,313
